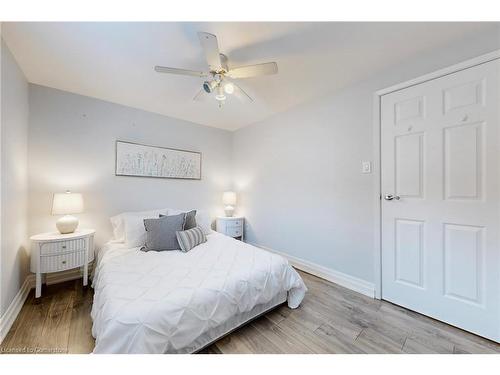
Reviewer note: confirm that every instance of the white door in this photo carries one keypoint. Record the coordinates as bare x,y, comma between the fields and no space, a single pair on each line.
440,145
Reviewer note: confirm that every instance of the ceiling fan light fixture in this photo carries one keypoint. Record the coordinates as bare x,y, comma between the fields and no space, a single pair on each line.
229,88
209,86
220,94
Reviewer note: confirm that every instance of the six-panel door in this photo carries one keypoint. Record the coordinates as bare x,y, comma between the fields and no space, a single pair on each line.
440,156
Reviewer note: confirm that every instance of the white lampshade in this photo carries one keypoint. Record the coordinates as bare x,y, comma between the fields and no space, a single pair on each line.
67,203
229,198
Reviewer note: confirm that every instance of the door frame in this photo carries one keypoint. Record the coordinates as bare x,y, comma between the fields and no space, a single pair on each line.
377,162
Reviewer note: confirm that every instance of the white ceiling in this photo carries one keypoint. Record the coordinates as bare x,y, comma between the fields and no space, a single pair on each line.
114,61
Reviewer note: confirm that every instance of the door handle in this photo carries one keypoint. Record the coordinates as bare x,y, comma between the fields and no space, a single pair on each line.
390,197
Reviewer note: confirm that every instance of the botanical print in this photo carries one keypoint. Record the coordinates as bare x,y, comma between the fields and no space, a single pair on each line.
149,161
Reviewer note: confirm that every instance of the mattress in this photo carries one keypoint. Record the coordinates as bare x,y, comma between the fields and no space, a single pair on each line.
174,302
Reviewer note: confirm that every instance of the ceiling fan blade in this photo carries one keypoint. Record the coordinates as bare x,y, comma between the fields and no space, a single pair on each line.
241,94
184,72
211,48
253,70
201,96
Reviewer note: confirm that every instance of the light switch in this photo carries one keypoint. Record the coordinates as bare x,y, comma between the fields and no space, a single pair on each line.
366,167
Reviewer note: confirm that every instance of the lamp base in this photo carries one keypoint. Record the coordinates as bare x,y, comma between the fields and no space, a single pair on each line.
67,224
229,211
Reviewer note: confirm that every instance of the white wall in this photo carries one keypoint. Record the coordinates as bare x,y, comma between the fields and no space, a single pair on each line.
299,172
72,146
14,136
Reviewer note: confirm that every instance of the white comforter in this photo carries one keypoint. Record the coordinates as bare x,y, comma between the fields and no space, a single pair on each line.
160,302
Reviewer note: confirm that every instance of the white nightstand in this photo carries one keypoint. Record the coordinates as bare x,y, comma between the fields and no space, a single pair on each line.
54,252
230,226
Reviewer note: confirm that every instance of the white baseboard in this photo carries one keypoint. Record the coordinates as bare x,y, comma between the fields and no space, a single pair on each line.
347,281
7,319
10,315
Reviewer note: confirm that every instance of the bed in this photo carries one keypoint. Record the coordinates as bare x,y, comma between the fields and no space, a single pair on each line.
175,302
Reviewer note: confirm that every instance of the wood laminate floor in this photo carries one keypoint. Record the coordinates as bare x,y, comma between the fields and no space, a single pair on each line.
331,319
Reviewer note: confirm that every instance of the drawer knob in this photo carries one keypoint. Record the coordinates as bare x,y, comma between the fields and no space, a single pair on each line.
63,262
64,246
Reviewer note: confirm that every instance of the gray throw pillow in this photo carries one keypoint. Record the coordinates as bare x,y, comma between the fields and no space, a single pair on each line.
190,238
161,233
190,221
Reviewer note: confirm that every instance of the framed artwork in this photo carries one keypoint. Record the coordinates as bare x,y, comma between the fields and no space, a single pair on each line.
134,159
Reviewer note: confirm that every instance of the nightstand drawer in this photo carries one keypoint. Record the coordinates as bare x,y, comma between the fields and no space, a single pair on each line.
231,226
54,263
234,223
234,232
62,246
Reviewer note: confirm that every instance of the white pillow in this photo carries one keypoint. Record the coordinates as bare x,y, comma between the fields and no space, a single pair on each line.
204,221
135,232
118,227
202,217
118,221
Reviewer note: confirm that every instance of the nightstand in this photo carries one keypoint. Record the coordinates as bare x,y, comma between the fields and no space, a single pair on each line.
54,252
230,226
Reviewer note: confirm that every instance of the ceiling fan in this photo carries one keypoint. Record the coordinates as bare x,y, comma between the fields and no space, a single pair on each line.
220,78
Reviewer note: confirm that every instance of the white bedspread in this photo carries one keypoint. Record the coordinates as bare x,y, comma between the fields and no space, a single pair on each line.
161,302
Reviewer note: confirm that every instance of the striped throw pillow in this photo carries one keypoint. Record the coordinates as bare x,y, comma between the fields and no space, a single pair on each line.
190,238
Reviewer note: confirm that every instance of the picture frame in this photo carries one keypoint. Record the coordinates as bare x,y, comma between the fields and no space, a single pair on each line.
141,160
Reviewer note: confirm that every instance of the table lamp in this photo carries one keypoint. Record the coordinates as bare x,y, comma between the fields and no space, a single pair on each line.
65,204
229,200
